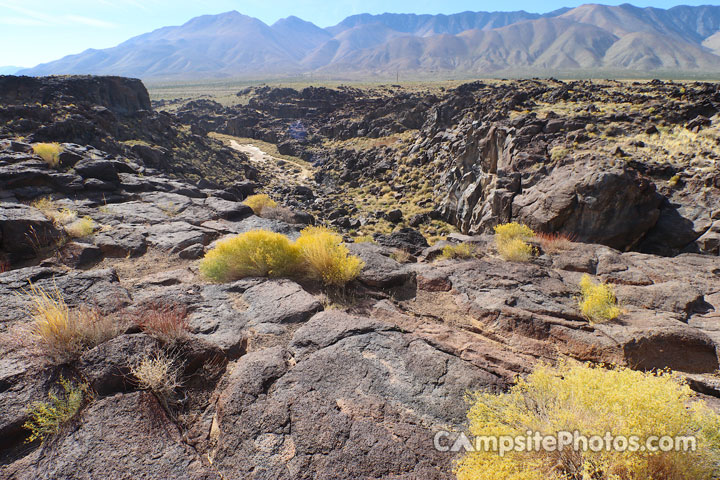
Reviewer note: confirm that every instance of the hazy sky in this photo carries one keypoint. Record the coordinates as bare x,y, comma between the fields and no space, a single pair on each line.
36,31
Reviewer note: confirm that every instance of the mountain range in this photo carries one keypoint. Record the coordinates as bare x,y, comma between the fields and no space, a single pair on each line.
587,38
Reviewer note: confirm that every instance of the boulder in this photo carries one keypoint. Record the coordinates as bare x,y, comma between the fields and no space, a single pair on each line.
607,205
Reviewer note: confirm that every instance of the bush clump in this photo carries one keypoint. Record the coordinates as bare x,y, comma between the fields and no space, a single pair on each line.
166,322
49,152
159,373
327,258
461,250
511,241
62,333
257,253
82,227
48,418
597,303
260,202
319,253
593,401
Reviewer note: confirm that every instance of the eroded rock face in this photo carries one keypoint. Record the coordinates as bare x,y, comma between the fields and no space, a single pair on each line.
350,404
613,206
122,436
120,95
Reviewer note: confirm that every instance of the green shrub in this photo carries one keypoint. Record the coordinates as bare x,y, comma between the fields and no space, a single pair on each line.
257,253
49,152
260,202
327,258
48,418
593,401
461,250
598,303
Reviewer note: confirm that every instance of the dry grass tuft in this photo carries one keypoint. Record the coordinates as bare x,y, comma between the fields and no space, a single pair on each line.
462,250
82,227
554,242
62,333
159,373
168,323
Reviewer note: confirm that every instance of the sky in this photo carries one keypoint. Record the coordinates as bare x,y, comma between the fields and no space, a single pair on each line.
38,31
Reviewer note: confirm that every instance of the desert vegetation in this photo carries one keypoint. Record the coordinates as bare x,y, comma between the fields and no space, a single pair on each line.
49,152
48,418
167,322
63,333
461,250
260,202
597,302
319,253
593,400
511,241
160,374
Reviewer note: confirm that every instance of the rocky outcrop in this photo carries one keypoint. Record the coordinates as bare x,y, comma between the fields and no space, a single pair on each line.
120,95
283,379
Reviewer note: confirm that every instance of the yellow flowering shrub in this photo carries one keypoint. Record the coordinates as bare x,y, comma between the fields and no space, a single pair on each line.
257,253
327,258
593,401
49,152
510,239
260,202
598,302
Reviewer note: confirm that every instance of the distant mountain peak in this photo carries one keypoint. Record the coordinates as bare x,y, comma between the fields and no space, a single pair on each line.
592,36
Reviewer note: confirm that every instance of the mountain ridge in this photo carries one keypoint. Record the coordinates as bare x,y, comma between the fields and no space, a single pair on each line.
591,36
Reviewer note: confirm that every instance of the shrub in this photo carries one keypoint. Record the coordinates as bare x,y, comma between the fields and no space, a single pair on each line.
512,230
260,202
81,227
598,302
327,258
279,213
401,256
159,373
168,323
593,401
48,418
255,253
510,240
62,333
553,242
50,208
461,250
49,152
364,239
